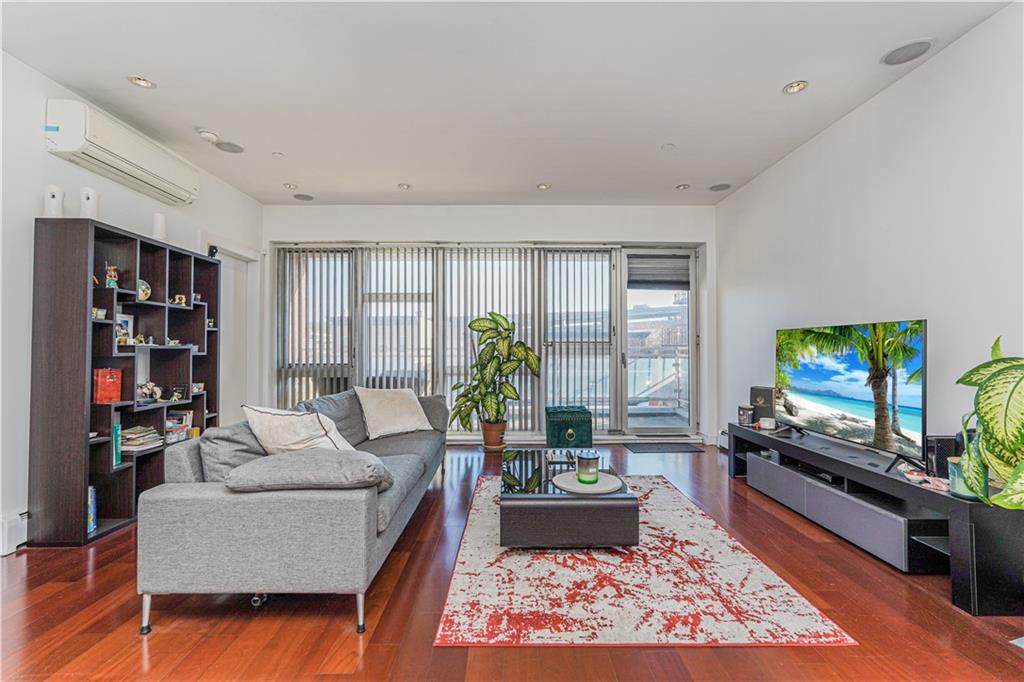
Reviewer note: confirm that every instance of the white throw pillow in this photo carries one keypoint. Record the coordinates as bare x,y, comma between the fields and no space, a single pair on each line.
388,411
285,431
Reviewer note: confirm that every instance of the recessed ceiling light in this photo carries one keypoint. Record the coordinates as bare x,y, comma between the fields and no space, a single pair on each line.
683,186
404,186
141,81
668,147
277,155
907,53
290,185
229,147
543,186
207,135
303,197
720,187
795,87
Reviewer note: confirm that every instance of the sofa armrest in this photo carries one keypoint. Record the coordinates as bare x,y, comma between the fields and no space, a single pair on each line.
202,537
436,409
182,463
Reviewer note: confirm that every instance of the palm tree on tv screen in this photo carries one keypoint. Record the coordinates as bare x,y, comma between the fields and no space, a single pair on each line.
870,342
900,351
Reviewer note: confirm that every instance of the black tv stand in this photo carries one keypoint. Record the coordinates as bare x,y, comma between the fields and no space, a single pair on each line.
898,457
788,431
853,493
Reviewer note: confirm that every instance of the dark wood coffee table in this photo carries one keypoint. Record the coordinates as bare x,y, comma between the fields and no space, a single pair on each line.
534,513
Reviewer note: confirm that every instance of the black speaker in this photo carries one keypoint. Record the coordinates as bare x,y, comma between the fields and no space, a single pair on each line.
938,450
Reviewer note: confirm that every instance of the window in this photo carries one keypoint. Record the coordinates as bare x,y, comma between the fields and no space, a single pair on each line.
476,281
577,347
396,331
314,330
397,316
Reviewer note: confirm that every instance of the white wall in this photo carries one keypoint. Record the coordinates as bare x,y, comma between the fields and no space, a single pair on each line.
223,214
908,207
693,225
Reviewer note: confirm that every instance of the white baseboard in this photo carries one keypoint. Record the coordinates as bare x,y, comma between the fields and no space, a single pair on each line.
14,532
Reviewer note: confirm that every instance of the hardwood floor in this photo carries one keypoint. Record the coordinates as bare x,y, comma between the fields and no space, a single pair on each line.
73,613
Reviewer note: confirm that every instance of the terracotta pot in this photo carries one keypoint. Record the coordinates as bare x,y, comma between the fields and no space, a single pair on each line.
494,436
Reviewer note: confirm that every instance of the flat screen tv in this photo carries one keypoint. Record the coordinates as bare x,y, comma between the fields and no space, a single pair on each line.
863,383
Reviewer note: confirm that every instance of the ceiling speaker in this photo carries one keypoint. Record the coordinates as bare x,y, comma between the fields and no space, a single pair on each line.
907,53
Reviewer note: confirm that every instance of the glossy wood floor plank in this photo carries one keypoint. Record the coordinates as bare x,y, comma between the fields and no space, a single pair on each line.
72,614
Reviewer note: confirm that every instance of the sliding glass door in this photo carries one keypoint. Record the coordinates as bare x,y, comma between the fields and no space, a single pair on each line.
656,354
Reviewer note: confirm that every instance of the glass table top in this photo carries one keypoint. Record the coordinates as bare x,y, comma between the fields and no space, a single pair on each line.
529,471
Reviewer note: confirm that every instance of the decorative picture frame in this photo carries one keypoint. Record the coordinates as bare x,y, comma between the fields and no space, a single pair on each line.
124,328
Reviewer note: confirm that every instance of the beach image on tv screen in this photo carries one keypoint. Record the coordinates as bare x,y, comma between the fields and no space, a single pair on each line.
861,382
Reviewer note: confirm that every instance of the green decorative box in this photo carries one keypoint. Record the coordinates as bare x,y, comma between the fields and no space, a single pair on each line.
569,426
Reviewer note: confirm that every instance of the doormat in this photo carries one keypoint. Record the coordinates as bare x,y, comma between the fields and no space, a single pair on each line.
663,447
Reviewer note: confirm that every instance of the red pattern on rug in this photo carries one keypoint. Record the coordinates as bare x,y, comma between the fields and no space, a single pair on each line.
688,582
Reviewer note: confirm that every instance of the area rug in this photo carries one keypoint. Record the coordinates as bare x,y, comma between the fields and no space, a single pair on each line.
688,582
641,448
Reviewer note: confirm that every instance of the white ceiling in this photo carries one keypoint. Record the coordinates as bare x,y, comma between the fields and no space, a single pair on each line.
477,103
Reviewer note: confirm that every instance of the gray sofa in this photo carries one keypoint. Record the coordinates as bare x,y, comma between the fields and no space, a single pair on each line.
197,536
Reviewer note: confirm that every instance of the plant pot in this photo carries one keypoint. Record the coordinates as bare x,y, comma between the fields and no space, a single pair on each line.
494,436
957,484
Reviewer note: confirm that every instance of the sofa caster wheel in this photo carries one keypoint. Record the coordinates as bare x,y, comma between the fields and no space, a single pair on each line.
145,630
258,599
360,628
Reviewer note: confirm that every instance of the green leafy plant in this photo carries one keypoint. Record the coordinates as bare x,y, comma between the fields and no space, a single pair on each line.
499,357
998,440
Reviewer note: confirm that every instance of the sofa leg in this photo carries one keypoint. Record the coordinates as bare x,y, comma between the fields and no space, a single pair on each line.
360,608
147,602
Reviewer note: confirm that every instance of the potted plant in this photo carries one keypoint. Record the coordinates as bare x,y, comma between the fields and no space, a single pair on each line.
498,359
997,443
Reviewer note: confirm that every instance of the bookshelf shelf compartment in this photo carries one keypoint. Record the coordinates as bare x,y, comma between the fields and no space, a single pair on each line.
67,342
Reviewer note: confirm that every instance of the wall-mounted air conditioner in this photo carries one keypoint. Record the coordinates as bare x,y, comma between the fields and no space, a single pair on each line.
84,135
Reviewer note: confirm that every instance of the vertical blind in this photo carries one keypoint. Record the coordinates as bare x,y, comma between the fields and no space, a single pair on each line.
578,330
313,330
397,318
478,280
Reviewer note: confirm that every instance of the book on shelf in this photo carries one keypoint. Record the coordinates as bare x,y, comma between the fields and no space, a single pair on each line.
140,438
179,417
90,511
115,440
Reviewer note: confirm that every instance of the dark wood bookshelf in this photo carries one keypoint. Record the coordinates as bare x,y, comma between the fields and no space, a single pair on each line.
68,344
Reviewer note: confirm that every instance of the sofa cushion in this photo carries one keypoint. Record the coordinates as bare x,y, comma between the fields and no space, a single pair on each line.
344,410
406,471
436,409
223,448
286,430
427,445
388,411
311,469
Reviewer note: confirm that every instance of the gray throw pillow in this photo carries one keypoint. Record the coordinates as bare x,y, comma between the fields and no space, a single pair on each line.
311,469
221,449
344,410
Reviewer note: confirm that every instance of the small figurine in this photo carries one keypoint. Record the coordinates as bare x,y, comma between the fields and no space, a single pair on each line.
149,391
173,342
177,395
140,340
149,340
112,276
